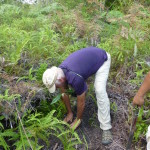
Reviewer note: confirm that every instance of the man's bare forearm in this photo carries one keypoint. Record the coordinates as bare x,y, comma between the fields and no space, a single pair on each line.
65,99
80,105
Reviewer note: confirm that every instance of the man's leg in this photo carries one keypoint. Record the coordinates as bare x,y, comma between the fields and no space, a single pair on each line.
103,100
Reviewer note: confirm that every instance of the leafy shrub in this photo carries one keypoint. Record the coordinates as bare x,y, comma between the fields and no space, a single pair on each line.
32,127
40,71
12,42
141,125
53,7
27,24
29,77
8,13
114,14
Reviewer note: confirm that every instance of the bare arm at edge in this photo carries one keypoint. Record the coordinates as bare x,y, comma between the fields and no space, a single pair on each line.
144,88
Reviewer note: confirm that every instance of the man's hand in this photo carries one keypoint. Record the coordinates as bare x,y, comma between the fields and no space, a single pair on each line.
138,100
75,124
68,118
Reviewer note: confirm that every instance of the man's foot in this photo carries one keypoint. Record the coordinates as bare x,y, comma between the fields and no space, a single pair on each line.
107,137
68,118
75,124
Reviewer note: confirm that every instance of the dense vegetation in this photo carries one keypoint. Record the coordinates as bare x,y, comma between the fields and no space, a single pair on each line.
35,37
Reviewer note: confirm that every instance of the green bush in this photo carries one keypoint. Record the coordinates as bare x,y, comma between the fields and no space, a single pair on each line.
8,13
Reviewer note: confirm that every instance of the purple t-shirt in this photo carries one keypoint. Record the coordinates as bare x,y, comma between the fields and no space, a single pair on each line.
80,65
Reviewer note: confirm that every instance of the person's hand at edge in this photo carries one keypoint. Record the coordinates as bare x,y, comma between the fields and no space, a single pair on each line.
138,100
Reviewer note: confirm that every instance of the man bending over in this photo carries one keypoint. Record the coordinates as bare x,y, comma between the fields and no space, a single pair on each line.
74,71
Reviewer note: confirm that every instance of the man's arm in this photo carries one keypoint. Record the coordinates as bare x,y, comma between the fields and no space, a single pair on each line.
145,87
65,99
80,109
80,105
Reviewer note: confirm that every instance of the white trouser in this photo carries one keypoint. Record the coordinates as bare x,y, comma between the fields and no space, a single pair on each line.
148,138
103,102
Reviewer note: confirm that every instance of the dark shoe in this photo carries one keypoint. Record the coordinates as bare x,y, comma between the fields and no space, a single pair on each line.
107,137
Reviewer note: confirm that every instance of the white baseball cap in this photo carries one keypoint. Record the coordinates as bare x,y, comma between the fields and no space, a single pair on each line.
49,78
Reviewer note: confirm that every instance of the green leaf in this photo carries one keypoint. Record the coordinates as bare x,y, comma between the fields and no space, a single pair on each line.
21,78
56,99
1,125
2,117
3,143
70,91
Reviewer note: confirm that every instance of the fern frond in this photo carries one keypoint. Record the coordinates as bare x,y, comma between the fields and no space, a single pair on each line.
3,143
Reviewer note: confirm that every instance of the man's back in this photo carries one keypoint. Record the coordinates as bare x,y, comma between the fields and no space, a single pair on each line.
85,61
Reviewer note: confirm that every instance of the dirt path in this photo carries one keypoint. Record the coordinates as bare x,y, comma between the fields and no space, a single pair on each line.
91,130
